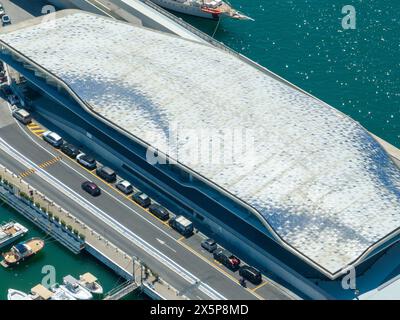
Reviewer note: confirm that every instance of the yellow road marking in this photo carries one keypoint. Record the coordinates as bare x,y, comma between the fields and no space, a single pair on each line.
27,173
219,269
166,224
259,286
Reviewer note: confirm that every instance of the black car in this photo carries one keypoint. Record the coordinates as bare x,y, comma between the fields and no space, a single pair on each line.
107,174
142,199
251,274
92,188
70,150
87,161
159,211
227,259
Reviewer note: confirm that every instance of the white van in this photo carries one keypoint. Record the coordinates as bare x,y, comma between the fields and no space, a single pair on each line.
22,116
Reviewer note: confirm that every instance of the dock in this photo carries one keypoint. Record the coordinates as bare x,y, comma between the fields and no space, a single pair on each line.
77,236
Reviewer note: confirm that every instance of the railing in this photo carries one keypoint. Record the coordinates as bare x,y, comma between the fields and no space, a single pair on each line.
121,290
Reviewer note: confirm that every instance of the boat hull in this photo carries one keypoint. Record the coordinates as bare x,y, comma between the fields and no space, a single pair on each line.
186,9
13,294
20,232
12,258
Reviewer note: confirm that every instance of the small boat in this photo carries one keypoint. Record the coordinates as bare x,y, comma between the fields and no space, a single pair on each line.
60,293
90,282
22,251
17,295
75,289
11,231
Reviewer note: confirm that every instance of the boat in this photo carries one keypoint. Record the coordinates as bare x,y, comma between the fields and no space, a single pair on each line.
73,287
22,251
211,9
40,292
17,295
60,293
90,282
11,231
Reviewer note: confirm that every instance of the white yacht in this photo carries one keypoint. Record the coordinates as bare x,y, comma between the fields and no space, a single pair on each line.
11,231
211,9
61,293
73,287
17,295
91,283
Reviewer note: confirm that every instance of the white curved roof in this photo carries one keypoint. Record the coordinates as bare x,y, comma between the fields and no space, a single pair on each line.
317,177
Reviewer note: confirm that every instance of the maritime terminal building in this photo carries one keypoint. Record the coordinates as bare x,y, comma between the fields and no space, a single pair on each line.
314,193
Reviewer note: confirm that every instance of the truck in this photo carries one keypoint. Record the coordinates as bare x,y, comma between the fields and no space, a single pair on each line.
182,225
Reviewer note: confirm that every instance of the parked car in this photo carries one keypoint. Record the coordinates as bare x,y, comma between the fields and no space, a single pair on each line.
125,187
142,199
22,116
182,225
53,138
227,259
159,211
5,19
92,188
107,174
209,244
87,161
251,274
70,150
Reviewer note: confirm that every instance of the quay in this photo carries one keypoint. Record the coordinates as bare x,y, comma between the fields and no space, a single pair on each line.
76,236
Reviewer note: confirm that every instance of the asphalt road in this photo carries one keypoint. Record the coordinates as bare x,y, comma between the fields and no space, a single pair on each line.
185,252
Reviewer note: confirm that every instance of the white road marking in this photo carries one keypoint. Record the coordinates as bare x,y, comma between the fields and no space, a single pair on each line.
164,244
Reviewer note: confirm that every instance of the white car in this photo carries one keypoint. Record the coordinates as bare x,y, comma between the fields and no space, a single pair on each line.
53,138
87,161
125,187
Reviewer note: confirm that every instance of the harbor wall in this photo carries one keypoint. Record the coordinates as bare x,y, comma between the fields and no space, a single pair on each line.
43,212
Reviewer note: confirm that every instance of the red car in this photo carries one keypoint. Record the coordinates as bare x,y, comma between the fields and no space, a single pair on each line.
92,188
227,259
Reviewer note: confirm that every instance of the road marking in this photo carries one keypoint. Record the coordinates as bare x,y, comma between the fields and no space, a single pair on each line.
117,226
181,238
165,244
50,162
178,241
36,129
259,286
26,173
211,263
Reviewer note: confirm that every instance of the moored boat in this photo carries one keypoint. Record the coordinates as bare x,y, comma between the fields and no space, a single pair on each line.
211,9
22,251
60,293
11,231
13,294
90,282
75,289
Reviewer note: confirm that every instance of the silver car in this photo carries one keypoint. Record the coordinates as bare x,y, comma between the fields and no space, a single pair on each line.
125,187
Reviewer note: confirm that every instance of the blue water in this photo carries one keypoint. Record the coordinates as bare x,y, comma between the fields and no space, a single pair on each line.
356,71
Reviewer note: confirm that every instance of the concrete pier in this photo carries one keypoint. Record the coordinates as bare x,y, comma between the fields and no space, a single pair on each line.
76,236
